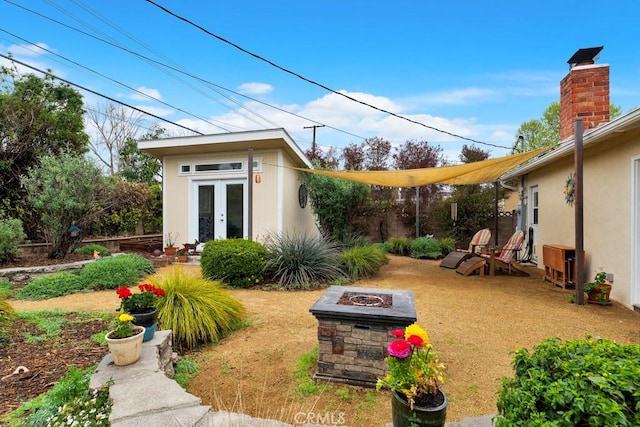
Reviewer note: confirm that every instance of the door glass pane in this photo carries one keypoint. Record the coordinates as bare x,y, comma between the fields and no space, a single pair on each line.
535,207
205,212
235,211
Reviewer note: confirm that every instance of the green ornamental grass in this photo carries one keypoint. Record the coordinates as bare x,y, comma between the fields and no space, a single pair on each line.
196,309
363,261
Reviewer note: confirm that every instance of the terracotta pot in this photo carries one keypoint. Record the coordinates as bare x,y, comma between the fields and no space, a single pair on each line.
126,351
404,416
170,251
183,258
600,294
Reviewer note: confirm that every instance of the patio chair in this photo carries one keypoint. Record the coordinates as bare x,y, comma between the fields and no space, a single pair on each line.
504,259
479,241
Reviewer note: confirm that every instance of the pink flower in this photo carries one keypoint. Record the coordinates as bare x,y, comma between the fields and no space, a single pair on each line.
398,333
399,349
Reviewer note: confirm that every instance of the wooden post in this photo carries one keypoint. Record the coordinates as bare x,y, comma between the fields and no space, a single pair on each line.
579,213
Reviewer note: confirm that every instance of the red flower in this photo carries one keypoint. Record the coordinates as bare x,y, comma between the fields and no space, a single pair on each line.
158,291
398,333
416,341
399,349
146,287
123,292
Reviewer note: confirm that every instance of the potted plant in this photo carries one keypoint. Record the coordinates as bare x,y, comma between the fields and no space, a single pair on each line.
414,378
125,340
183,254
142,306
170,248
598,291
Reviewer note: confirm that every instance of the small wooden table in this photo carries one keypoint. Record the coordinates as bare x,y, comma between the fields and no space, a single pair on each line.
559,264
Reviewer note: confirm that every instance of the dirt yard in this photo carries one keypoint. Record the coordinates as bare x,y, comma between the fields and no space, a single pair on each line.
473,323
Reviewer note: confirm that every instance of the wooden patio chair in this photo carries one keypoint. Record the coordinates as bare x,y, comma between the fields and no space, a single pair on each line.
479,241
504,259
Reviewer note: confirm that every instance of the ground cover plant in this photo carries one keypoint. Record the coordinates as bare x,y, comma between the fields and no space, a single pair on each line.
115,271
50,286
89,249
590,382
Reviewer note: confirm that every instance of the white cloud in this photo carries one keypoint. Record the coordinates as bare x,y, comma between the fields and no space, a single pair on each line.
255,88
28,50
153,93
471,95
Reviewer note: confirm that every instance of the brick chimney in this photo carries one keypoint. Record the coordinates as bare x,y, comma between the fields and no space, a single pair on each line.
584,92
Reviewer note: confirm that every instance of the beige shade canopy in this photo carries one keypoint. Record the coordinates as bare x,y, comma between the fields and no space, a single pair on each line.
468,173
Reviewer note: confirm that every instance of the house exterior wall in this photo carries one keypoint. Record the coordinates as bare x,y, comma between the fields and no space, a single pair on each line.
270,213
608,178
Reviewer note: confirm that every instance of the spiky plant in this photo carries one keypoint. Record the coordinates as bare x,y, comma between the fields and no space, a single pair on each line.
363,261
196,309
6,314
302,258
400,245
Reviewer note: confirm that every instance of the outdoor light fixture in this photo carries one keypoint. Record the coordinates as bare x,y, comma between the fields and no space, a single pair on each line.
258,179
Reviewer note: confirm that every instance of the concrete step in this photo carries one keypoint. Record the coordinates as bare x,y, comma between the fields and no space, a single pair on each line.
193,416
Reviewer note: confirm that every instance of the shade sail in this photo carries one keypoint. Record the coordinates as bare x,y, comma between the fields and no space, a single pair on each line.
468,173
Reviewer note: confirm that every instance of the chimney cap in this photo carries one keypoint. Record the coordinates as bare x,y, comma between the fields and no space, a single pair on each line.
585,56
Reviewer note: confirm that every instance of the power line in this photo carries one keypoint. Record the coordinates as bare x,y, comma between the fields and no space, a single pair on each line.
208,83
286,70
146,95
99,94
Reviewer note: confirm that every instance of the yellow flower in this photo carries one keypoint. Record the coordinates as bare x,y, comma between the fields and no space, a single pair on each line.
124,317
414,329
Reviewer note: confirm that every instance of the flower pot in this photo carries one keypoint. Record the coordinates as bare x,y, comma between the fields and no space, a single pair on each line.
183,258
149,320
404,416
600,294
126,351
170,251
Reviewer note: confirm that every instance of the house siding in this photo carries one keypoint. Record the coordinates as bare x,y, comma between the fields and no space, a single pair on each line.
607,178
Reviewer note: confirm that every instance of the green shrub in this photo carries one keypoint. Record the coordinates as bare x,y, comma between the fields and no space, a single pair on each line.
448,244
237,262
294,259
11,235
89,248
197,310
6,288
592,382
363,261
7,313
116,271
384,246
426,247
400,245
51,286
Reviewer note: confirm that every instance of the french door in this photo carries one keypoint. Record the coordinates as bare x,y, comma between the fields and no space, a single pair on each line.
221,209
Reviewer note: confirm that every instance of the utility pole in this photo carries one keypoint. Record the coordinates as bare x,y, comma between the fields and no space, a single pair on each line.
313,144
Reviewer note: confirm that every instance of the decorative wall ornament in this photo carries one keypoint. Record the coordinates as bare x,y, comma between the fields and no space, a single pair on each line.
570,189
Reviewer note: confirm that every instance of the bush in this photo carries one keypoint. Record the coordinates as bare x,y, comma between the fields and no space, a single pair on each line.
384,246
363,261
7,313
294,259
11,235
113,272
592,382
426,247
448,244
237,262
197,310
6,288
89,248
51,286
400,245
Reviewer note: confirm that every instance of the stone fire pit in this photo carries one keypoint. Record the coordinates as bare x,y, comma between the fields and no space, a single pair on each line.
354,330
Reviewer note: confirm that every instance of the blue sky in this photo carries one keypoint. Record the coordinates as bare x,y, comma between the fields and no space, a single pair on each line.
471,68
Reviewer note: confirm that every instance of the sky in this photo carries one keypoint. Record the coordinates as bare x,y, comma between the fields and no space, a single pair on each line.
454,69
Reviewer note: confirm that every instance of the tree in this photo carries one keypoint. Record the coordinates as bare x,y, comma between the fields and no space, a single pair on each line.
545,131
335,203
114,127
136,166
37,117
64,190
417,155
